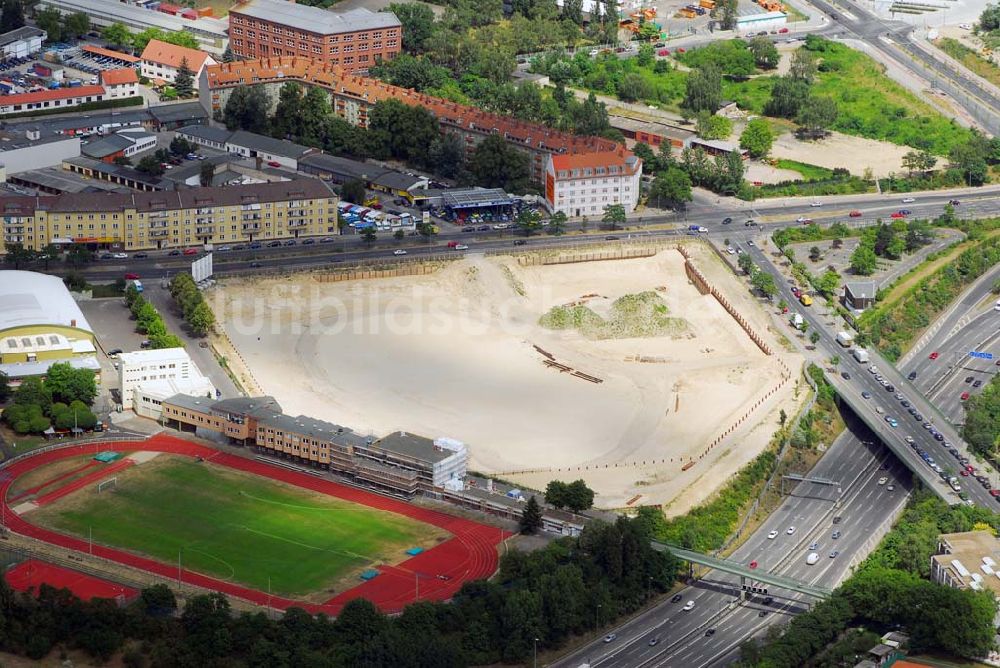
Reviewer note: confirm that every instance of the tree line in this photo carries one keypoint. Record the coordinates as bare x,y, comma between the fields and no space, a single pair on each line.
195,310
395,130
542,598
148,321
889,241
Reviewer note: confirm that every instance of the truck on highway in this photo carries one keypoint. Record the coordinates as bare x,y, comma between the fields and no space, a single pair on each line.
845,339
860,354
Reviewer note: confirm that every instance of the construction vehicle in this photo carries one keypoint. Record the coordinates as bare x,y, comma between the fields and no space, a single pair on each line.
686,13
707,4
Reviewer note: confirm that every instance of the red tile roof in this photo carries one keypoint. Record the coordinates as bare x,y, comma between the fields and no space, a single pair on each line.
369,91
619,158
108,52
125,75
49,95
171,55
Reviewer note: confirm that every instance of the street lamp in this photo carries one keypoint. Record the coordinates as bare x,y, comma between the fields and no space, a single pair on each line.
536,653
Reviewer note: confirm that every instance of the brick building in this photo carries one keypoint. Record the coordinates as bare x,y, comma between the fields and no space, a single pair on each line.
352,96
355,40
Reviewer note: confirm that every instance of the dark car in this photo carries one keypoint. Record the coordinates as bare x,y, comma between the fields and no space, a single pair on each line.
174,252
769,600
308,242
676,598
837,519
978,383
255,245
114,352
291,242
912,375
483,228
954,202
273,244
469,229
519,242
762,613
968,379
727,221
709,633
106,256
890,388
611,238
254,265
140,256
845,375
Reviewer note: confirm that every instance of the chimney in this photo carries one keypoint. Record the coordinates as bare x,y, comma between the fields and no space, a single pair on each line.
33,133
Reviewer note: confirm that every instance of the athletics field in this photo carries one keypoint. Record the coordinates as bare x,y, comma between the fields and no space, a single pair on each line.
236,526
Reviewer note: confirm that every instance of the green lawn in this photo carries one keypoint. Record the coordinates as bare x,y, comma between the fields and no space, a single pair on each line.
236,526
808,172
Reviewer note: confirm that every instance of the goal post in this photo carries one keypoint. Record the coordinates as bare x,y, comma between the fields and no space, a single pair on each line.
110,483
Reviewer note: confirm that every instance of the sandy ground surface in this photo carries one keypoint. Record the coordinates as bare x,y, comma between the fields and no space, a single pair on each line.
764,173
452,354
839,150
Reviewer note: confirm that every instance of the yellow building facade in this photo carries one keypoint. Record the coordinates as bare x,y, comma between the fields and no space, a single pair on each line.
174,219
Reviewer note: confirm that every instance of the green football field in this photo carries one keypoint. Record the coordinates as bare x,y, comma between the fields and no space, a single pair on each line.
236,526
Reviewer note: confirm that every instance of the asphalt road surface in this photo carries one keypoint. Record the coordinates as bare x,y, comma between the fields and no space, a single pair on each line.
864,506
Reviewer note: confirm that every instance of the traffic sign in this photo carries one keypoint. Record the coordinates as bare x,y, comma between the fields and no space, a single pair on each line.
979,355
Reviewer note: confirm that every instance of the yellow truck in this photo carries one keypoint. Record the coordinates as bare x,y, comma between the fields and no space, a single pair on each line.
805,299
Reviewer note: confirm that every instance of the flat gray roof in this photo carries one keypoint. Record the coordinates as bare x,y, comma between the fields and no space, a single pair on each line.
247,405
359,169
63,180
208,133
105,146
311,427
165,113
112,10
16,35
315,20
461,199
201,404
861,288
268,144
411,445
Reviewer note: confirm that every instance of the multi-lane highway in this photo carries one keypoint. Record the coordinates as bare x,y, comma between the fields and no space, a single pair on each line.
857,510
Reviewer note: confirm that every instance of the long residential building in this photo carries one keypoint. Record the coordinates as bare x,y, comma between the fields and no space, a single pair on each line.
353,96
401,462
176,219
355,39
59,98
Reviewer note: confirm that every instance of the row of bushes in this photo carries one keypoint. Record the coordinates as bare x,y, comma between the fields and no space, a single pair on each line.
148,321
891,327
195,309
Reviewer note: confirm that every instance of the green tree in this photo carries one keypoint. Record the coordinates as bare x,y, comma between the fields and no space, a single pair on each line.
814,338
971,159
765,53
725,13
557,224
712,126
206,173
614,216
402,131
919,161
76,25
989,19
803,66
531,517
246,109
763,282
578,496
5,390
757,138
184,81
151,165
12,16
116,35
418,24
828,283
353,191
982,419
201,319
863,260
18,255
671,188
815,254
788,95
556,493
816,116
529,221
51,21
67,384
703,91
745,263
176,37
495,164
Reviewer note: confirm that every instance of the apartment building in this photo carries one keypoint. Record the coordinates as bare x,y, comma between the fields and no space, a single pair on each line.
353,96
400,463
60,98
355,40
123,82
160,61
585,183
175,219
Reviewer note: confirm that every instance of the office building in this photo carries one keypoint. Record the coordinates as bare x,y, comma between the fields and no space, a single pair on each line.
401,463
175,219
584,184
147,377
355,39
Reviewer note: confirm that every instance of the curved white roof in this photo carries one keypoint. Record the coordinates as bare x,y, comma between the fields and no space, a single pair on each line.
29,298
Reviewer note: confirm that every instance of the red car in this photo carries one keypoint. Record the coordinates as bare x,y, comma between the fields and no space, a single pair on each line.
680,49
970,468
273,163
782,31
995,492
855,214
933,355
897,214
190,251
663,52
965,474
131,277
965,395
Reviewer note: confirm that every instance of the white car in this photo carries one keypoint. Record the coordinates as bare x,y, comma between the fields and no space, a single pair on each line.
891,488
803,219
731,250
120,256
883,480
773,534
909,200
790,531
873,368
878,409
816,204
461,247
399,252
688,606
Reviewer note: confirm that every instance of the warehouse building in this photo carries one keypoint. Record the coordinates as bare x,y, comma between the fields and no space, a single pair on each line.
21,151
400,463
175,219
22,42
40,325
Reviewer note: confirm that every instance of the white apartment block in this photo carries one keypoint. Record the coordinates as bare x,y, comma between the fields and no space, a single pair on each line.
584,184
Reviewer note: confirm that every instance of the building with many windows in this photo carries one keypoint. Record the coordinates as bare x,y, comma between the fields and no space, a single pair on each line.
353,96
355,39
401,463
43,100
161,61
172,219
583,184
122,82
148,377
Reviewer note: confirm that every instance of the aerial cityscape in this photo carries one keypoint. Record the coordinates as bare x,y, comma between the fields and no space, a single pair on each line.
446,333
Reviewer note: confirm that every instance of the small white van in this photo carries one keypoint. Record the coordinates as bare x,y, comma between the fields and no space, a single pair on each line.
812,558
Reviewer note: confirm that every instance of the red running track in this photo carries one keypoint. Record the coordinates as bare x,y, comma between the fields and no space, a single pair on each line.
438,573
29,575
81,482
37,488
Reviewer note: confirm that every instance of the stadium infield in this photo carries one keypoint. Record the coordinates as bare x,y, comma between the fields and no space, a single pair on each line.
236,526
437,573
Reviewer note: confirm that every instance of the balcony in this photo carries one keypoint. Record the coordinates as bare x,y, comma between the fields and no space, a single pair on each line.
204,221
204,231
251,229
297,223
159,233
157,215
253,216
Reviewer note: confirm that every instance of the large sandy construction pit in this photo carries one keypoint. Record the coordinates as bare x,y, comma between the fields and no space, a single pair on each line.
462,353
